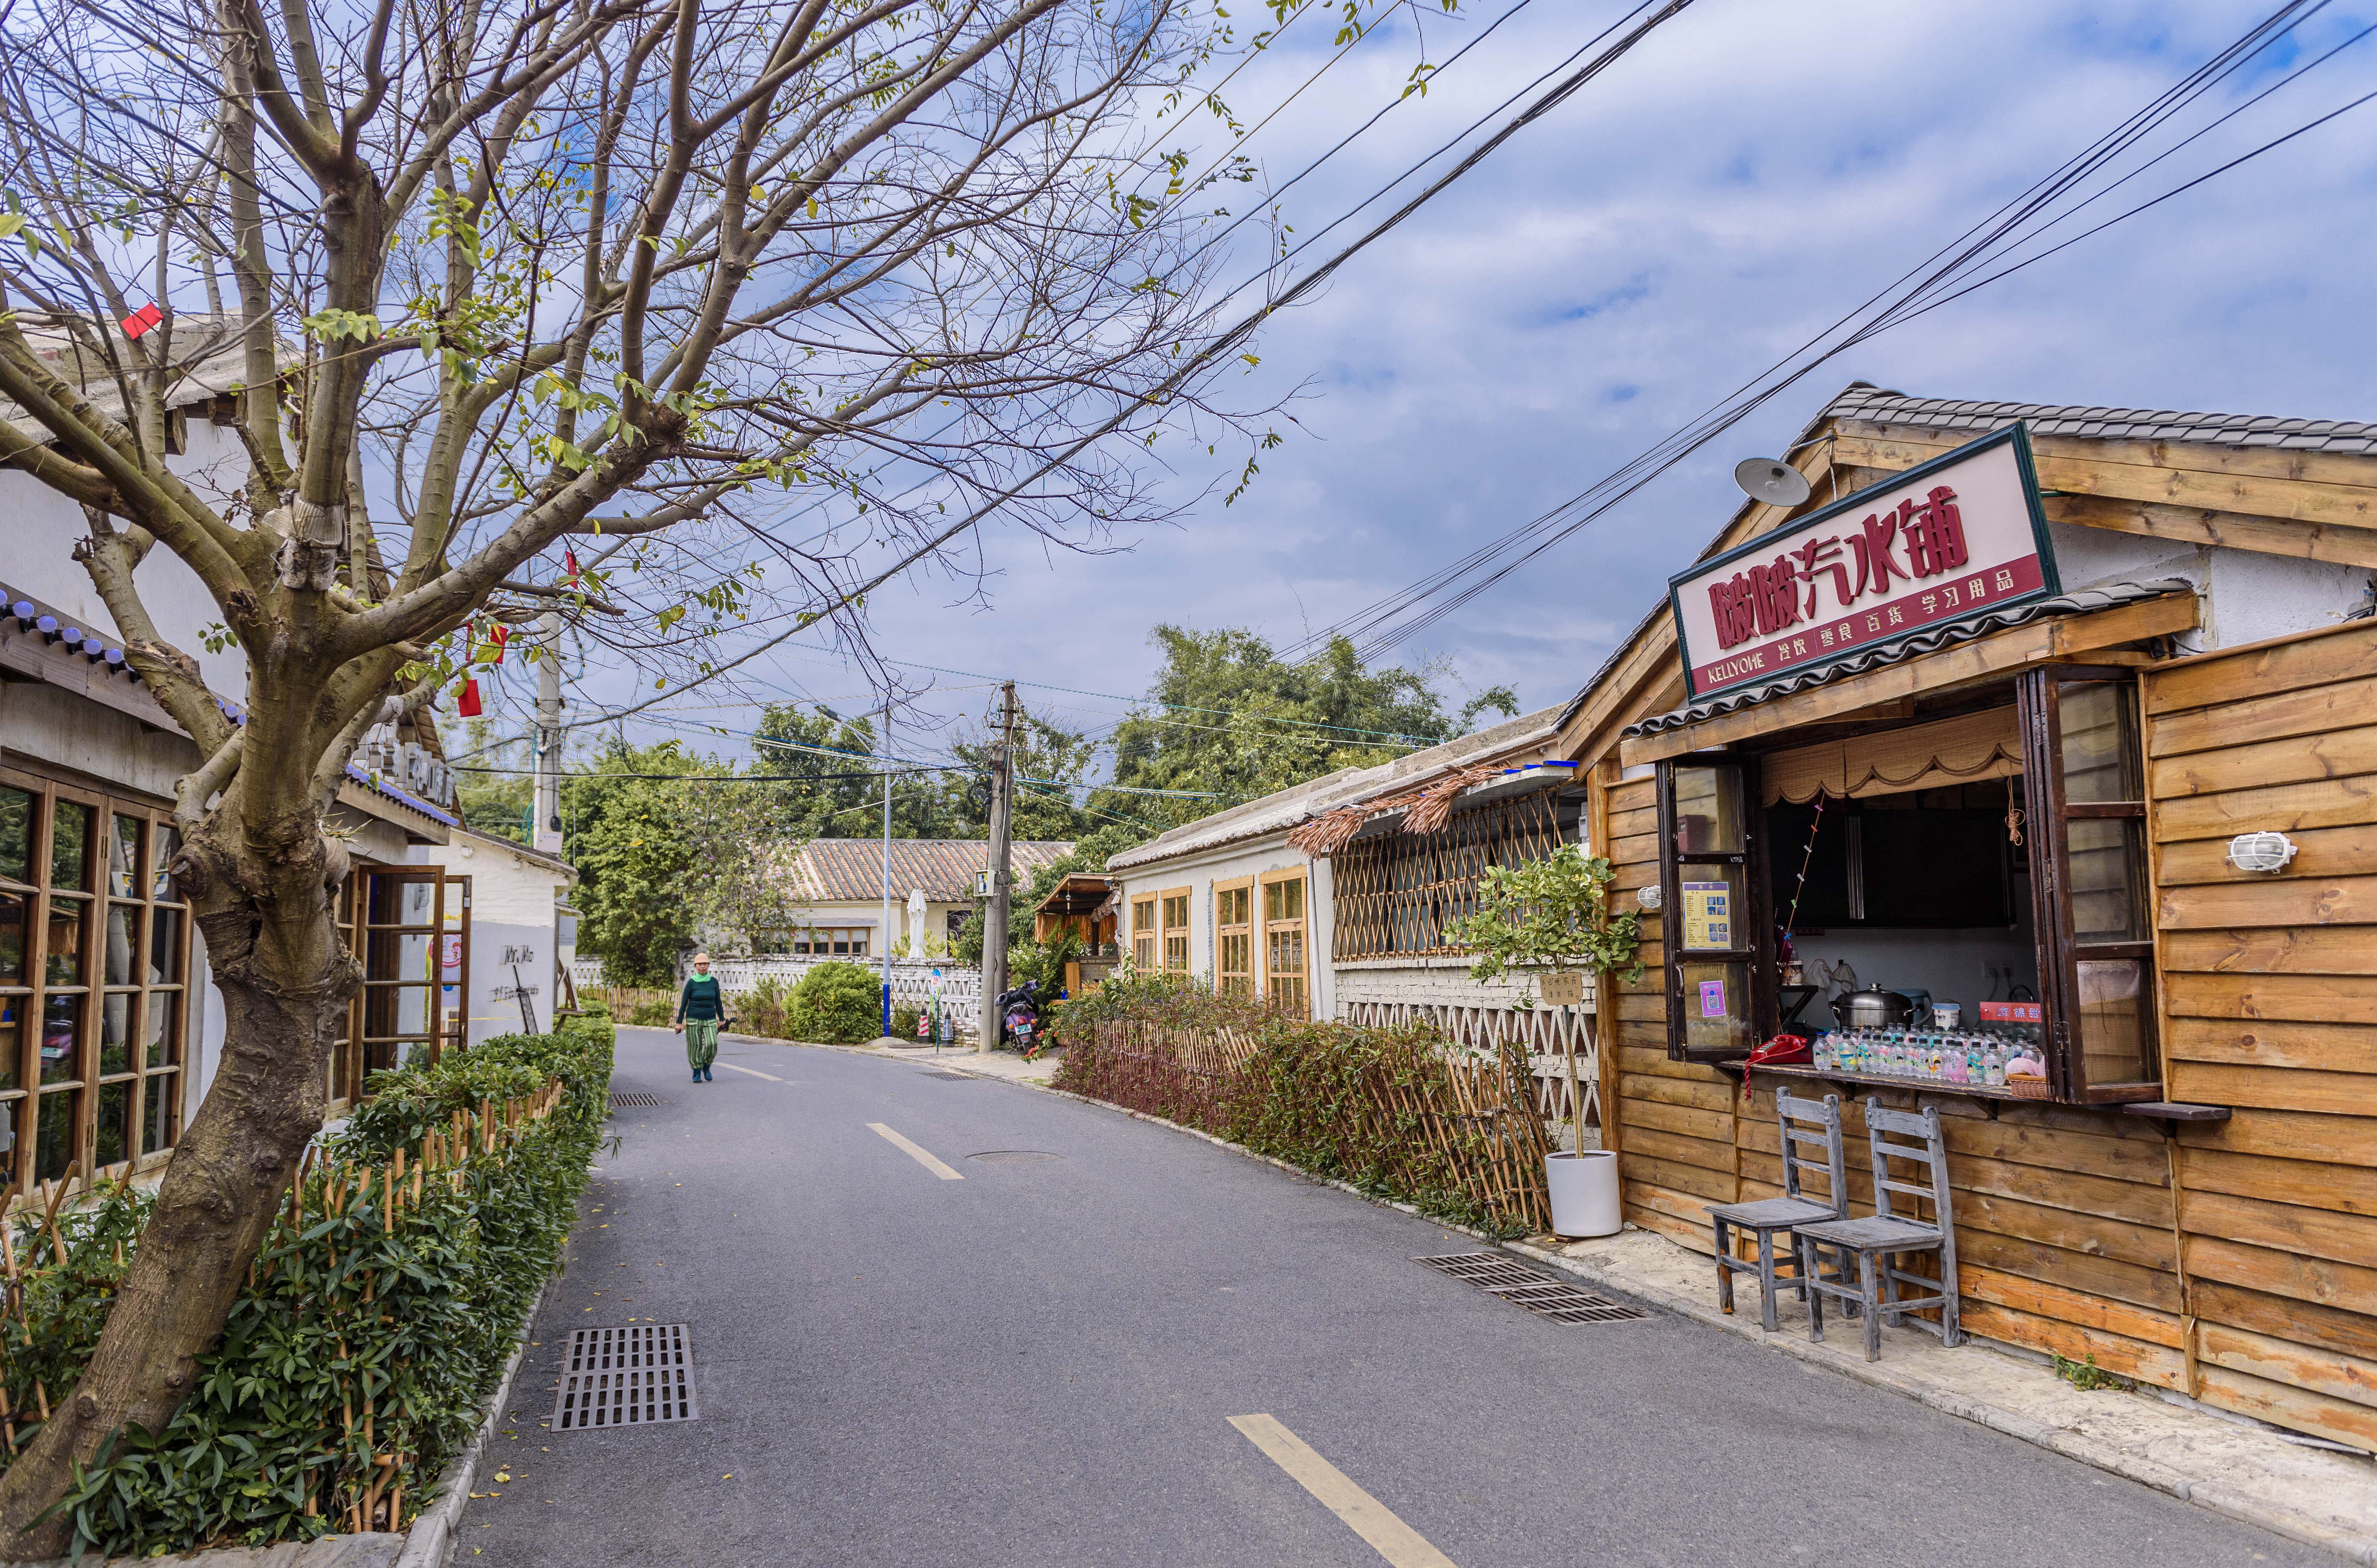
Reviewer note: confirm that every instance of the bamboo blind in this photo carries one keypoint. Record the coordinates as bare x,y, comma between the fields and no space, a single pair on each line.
1395,894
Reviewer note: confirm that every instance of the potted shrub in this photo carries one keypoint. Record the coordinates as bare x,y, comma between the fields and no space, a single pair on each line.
1554,911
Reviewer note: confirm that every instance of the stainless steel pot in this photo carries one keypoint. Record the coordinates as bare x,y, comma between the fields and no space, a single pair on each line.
1872,1008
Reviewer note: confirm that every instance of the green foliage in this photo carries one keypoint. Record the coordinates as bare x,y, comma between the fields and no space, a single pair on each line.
1303,1095
1551,911
634,851
2088,1377
499,803
903,1020
836,1004
1236,722
354,1340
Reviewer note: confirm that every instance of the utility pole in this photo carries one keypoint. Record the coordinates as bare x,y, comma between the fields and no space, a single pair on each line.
547,834
1002,832
883,755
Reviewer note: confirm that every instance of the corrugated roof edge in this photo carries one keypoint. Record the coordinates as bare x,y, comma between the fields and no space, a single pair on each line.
2104,596
1286,808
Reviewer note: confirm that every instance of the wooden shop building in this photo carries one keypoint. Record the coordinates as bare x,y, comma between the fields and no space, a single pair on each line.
2072,712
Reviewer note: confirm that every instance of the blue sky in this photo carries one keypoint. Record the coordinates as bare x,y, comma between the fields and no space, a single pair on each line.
1749,173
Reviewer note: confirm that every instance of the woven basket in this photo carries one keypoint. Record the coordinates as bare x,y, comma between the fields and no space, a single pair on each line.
2030,1088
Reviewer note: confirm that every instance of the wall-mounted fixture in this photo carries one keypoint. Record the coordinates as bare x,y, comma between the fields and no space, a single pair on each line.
2265,851
1648,897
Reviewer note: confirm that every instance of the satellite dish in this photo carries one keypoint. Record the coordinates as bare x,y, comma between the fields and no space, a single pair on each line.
1777,483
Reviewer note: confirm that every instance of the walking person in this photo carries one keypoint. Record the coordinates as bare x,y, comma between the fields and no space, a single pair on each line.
699,1011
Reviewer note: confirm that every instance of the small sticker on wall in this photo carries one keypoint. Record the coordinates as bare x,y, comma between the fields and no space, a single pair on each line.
1712,999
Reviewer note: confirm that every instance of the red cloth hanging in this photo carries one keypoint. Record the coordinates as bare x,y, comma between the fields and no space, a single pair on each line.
466,705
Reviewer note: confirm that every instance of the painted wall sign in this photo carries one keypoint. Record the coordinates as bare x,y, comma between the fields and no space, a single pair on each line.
1957,537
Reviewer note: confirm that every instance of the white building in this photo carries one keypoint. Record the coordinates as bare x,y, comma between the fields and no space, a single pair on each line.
514,968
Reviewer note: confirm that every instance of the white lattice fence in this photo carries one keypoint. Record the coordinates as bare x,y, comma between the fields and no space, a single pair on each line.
911,982
1543,1032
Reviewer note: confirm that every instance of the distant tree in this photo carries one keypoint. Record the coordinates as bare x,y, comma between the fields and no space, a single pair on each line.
496,788
1228,718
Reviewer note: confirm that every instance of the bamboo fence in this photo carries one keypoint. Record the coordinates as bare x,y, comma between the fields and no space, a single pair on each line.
1423,1119
374,1499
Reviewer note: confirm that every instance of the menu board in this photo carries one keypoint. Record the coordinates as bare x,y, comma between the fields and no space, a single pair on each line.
1708,915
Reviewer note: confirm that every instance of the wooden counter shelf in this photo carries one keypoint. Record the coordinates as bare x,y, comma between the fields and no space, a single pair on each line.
2168,1112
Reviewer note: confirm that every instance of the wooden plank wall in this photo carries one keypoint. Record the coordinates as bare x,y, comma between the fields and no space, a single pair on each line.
1675,1136
2271,1000
2237,1263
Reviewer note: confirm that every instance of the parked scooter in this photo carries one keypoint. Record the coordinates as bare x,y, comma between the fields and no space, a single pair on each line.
1018,1018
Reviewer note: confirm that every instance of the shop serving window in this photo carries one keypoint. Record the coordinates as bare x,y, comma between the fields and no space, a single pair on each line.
1395,893
1233,939
1946,895
94,983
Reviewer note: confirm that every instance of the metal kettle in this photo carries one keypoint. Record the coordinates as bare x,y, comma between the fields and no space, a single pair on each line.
1872,1008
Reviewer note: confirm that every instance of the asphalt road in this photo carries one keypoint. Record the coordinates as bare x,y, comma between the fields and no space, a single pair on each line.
1038,1365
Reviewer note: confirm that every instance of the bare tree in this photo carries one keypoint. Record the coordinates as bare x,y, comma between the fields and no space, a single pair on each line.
540,276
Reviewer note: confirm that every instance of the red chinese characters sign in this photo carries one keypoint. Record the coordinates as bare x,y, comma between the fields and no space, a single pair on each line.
1958,537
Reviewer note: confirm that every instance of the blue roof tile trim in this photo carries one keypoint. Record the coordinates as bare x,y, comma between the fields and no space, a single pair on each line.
1876,406
2105,596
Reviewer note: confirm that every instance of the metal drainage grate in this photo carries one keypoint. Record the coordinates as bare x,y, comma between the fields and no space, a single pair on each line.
636,1099
1011,1157
945,1072
1497,1273
637,1376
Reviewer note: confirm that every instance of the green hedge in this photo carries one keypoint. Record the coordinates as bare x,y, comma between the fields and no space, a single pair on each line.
836,1004
354,1340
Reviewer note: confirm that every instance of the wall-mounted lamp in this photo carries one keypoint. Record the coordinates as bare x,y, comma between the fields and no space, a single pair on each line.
1647,897
2265,851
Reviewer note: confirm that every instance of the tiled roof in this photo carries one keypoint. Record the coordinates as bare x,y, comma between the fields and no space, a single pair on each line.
2104,596
1880,407
841,870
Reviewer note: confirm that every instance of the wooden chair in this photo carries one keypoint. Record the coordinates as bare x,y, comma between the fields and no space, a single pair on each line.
1877,1242
1802,1121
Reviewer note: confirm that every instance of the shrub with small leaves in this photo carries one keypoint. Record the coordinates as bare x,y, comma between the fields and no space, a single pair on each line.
354,1365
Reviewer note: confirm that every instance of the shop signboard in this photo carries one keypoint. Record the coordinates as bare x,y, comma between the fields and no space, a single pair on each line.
1955,539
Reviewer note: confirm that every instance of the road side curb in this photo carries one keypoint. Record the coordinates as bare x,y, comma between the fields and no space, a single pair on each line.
430,1543
2227,1501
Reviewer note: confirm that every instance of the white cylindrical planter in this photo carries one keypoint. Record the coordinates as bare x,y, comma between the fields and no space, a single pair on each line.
1584,1193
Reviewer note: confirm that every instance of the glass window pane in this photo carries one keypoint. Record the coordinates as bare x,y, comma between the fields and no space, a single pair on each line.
63,964
394,1010
12,1049
163,1031
165,947
165,844
1708,810
119,938
10,1143
1712,908
124,858
399,902
115,1034
1717,1007
15,834
2108,855
396,955
162,1112
1175,952
2100,755
12,938
70,845
61,1033
113,1142
2114,1029
53,1151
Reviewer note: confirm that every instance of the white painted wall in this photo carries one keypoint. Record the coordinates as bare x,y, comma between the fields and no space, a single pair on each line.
2247,595
1198,872
43,525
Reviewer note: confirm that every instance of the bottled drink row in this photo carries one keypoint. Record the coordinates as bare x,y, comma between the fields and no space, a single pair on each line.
1979,1057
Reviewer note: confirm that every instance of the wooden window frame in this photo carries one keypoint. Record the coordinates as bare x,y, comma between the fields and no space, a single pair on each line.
1753,917
1228,931
1301,925
1394,894
2040,694
1165,900
1146,941
147,1090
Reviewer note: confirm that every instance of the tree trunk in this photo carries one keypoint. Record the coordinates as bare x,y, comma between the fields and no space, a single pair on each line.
263,899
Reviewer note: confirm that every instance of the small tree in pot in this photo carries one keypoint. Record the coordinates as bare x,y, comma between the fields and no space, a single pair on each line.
1556,912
